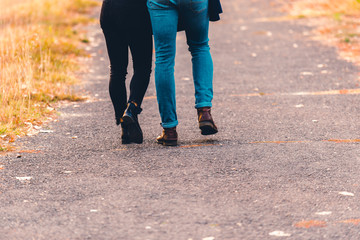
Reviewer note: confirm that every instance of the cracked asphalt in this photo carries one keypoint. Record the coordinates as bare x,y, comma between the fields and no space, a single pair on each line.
284,165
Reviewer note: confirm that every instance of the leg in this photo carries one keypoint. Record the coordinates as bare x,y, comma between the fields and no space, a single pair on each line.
140,43
117,86
197,27
164,18
117,47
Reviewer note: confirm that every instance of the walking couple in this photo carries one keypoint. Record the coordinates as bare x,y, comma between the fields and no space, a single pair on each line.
131,24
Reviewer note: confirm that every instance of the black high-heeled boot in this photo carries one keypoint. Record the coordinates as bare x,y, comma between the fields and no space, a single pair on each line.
131,123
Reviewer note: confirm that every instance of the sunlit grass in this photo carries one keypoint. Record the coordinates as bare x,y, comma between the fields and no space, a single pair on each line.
39,47
341,26
310,8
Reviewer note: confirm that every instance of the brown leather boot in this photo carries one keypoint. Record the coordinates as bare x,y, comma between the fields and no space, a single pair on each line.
168,137
206,122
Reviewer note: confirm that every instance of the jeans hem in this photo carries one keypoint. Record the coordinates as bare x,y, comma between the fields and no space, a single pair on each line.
170,124
203,104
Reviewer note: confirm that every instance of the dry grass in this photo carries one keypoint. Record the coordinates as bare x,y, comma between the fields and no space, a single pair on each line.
337,21
38,50
311,8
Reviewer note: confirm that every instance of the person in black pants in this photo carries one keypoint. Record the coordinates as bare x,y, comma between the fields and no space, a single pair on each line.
126,24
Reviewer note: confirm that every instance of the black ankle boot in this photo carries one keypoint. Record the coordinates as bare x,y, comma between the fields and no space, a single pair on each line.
125,139
131,123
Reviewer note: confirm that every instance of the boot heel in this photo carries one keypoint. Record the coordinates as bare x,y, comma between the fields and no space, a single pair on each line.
168,137
170,143
207,128
206,122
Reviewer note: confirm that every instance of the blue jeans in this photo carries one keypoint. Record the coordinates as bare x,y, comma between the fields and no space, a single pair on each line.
164,16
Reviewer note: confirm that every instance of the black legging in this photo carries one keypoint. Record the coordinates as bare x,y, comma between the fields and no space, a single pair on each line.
127,26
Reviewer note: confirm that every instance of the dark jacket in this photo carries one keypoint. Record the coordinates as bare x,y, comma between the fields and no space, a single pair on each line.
214,10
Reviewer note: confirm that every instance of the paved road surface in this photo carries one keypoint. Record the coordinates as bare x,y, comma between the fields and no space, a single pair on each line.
285,164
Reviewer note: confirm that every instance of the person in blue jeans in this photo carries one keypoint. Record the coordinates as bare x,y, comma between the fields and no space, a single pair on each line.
194,15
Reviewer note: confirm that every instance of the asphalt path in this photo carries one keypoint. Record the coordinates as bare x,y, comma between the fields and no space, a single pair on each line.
284,165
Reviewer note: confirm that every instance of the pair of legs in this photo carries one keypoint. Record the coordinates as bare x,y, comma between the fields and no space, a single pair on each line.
165,15
127,26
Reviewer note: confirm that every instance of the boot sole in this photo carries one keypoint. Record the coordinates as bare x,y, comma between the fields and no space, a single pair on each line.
168,143
207,128
133,140
135,132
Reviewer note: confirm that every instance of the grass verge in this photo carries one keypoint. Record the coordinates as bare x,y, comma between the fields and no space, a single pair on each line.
39,46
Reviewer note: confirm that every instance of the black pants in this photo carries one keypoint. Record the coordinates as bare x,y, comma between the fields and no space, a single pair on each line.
127,26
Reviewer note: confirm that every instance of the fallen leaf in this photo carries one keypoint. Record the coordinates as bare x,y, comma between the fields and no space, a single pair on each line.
29,151
352,221
23,178
198,145
323,213
346,194
279,234
343,140
311,223
46,131
307,74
